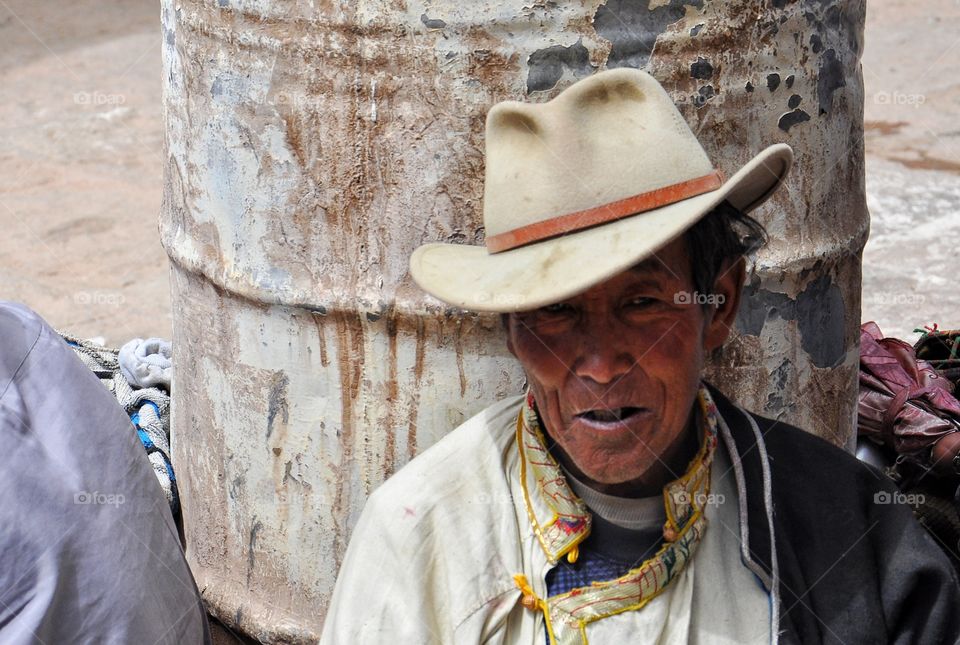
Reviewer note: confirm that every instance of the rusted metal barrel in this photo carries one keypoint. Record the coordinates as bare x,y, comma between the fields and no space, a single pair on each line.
312,146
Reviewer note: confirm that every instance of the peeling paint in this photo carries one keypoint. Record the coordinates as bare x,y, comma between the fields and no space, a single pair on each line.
790,119
779,386
820,315
432,23
818,310
702,69
547,66
830,78
277,401
704,94
816,43
632,28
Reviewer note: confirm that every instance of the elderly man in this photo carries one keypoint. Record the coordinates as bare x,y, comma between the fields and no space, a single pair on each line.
621,499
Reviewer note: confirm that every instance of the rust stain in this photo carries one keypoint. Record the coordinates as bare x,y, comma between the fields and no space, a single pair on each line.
415,396
296,143
390,449
488,60
309,202
350,364
236,26
458,348
318,323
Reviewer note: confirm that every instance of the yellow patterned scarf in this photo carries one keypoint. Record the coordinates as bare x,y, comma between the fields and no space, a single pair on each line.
568,614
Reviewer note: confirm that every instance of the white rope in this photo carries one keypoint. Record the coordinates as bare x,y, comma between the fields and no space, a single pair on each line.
148,406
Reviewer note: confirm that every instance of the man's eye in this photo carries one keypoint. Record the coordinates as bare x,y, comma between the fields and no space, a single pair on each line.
640,301
556,308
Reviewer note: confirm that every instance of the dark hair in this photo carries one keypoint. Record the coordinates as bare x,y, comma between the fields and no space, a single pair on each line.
725,232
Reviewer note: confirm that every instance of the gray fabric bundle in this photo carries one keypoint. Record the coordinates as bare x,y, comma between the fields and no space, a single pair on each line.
89,552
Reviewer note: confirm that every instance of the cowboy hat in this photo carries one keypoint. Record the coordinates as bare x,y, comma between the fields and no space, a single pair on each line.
582,187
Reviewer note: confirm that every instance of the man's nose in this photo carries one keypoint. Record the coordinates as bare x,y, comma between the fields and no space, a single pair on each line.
603,357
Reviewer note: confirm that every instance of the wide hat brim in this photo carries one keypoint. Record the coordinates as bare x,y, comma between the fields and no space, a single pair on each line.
546,272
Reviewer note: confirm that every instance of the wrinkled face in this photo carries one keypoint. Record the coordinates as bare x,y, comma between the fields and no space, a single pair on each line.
615,370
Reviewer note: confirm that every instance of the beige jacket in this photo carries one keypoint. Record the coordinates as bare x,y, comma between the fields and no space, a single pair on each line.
435,552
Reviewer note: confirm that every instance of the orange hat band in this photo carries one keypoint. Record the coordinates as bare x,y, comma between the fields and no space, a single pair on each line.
571,222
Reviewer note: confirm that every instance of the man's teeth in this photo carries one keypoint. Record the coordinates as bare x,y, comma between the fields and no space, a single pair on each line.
615,414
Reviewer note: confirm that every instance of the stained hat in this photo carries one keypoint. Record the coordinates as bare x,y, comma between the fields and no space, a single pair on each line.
582,187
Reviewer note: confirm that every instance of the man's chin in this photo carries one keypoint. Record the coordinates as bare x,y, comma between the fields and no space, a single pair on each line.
617,475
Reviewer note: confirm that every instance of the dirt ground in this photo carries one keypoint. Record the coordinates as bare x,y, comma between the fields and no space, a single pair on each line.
81,166
912,137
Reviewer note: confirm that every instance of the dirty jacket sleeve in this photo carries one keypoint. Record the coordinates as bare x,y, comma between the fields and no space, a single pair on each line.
433,555
377,598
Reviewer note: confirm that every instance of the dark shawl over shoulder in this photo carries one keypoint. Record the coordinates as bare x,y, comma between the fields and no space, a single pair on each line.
851,570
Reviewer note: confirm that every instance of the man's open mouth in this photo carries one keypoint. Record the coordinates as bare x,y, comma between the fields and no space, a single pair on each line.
610,415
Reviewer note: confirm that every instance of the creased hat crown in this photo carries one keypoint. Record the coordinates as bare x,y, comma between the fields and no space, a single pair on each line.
597,142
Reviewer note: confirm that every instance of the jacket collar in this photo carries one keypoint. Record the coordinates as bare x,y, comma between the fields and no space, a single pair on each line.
746,445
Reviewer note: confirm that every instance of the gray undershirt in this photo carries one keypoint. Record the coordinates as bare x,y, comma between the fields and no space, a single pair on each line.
628,529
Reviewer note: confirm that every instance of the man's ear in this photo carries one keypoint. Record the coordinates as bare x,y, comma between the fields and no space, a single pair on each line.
727,289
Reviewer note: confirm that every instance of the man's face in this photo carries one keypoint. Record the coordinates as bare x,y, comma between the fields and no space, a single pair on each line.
615,370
